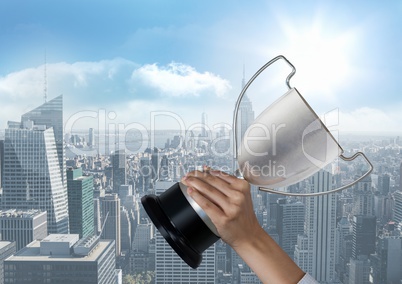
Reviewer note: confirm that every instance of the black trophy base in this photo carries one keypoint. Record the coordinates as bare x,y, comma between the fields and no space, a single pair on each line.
179,224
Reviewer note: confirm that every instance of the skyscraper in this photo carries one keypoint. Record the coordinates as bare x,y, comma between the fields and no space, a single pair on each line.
171,269
125,231
204,125
156,164
359,270
1,163
110,208
119,169
364,235
343,247
97,215
363,198
398,206
145,174
91,137
315,250
51,114
80,202
400,176
384,184
164,170
383,207
32,170
246,113
289,224
387,261
143,235
364,231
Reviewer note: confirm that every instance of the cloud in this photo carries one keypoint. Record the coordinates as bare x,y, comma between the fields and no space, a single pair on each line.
178,80
133,91
116,85
368,119
62,77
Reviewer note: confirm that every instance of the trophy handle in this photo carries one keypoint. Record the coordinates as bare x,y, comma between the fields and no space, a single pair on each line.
237,106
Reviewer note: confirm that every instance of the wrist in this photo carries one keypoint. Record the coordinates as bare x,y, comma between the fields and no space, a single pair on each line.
263,254
253,241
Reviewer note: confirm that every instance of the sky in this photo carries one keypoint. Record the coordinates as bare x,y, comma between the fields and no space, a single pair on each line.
161,64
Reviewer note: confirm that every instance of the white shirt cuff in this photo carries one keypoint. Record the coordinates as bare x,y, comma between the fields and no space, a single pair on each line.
307,279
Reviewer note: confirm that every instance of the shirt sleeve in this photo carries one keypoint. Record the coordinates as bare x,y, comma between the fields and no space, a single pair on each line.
307,279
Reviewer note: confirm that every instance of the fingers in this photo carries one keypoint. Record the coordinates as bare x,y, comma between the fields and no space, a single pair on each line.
221,181
209,189
210,208
223,190
226,177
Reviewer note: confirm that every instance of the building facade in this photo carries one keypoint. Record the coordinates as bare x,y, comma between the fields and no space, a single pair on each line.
289,224
34,171
363,235
6,249
246,113
387,261
80,191
125,231
23,227
171,269
397,206
111,226
119,169
51,114
315,249
1,163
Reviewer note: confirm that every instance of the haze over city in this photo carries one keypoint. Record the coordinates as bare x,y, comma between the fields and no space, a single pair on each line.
132,58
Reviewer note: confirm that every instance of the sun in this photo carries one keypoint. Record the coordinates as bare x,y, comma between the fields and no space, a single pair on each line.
322,57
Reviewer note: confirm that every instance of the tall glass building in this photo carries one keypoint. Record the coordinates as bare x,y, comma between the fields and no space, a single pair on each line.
171,269
315,249
246,113
119,169
50,114
289,223
80,202
1,162
33,165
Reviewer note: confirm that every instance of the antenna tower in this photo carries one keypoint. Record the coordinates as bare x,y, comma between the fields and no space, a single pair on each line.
243,81
45,81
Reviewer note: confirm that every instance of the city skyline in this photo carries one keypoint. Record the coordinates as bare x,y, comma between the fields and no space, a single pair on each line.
118,180
133,64
114,101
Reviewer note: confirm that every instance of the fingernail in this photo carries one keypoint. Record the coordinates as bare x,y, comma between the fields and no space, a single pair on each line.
190,190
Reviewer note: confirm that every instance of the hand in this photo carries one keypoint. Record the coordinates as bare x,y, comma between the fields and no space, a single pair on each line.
227,201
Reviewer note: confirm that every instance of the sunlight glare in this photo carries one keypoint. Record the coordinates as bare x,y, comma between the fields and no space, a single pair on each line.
322,60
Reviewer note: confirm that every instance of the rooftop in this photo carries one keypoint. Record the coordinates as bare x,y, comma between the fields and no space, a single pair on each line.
62,238
32,253
14,213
